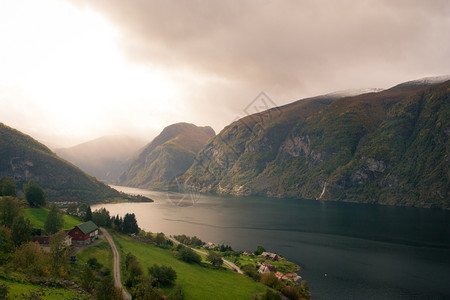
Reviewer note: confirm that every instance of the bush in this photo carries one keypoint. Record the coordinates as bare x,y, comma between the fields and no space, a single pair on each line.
177,294
94,264
4,289
270,295
187,255
251,272
144,289
272,281
34,194
215,259
163,275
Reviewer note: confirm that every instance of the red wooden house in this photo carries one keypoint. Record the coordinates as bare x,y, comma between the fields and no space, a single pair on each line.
84,233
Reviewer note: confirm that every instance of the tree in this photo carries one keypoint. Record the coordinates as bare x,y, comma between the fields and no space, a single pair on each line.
107,291
215,259
118,222
251,272
291,292
4,290
34,194
260,249
9,209
54,221
6,245
21,230
270,295
130,224
144,289
31,259
163,275
88,214
72,209
101,217
87,279
58,252
177,294
82,211
8,187
160,239
134,271
187,255
272,281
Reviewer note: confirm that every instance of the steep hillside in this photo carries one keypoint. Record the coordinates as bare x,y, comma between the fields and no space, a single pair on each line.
105,158
170,154
388,147
24,158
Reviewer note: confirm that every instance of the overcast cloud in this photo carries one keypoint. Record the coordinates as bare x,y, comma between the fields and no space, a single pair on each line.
221,54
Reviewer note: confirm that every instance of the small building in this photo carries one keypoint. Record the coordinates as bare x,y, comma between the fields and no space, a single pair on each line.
263,269
271,256
209,245
271,267
67,240
84,233
44,242
281,276
248,253
41,240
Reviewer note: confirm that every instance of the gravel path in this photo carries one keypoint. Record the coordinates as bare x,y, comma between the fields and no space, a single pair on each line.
117,281
228,263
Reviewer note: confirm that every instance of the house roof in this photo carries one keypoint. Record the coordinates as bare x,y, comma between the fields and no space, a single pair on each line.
41,239
87,227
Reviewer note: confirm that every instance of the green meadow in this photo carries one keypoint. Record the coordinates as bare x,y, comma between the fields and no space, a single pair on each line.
37,218
198,282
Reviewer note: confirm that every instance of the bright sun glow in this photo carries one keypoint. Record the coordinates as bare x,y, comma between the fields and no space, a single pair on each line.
66,64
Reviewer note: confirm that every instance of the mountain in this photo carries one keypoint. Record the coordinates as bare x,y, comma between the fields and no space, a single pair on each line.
105,158
24,158
170,154
388,147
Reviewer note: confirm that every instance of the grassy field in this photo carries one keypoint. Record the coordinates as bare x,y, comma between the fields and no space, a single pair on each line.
17,289
37,218
198,282
101,252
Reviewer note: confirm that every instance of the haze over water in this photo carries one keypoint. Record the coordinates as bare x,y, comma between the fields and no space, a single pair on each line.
347,251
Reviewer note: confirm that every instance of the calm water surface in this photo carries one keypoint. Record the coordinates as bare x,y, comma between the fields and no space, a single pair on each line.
347,251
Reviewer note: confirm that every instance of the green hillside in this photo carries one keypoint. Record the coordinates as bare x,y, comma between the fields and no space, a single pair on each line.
389,147
198,282
37,217
170,154
24,159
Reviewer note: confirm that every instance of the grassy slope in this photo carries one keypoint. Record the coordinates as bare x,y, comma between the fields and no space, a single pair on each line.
17,289
37,218
102,252
198,282
24,158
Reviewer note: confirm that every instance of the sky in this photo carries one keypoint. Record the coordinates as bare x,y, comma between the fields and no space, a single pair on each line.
75,70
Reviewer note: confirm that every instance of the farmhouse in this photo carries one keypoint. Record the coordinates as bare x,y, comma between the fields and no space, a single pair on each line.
44,242
271,256
84,233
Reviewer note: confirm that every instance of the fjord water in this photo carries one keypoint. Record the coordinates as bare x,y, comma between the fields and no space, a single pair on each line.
346,250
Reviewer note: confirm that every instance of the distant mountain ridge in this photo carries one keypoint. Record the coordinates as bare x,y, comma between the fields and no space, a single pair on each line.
106,157
170,154
388,147
24,158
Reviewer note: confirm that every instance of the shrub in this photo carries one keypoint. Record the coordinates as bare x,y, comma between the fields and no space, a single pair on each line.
163,275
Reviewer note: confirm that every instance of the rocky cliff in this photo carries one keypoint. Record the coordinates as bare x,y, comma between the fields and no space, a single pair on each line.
170,154
388,147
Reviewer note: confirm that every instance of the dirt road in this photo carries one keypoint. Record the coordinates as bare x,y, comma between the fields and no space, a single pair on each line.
117,281
228,263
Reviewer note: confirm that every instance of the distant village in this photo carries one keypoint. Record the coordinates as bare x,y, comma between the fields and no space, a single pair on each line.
265,263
